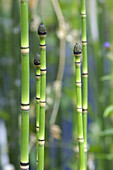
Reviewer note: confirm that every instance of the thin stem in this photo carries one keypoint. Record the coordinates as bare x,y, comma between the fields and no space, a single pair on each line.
38,75
85,75
62,60
58,82
58,11
77,53
24,164
42,34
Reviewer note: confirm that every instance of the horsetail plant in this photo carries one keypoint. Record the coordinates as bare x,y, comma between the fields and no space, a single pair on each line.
24,160
77,54
42,34
85,76
37,65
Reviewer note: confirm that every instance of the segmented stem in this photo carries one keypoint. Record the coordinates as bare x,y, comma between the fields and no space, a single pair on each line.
77,53
38,75
85,75
24,160
42,35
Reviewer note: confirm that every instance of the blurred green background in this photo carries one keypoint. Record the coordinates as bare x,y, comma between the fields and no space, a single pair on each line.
63,22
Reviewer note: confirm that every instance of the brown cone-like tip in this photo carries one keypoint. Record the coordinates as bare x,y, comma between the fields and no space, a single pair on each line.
37,59
77,49
42,29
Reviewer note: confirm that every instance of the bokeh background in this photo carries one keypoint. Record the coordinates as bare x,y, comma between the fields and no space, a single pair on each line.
63,23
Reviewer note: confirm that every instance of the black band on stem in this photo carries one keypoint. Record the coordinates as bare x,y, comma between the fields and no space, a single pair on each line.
84,41
24,104
24,164
42,45
84,73
84,110
41,140
38,75
77,62
43,69
38,98
24,47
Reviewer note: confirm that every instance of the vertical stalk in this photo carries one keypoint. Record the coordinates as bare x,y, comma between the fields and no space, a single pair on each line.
77,53
37,65
85,76
24,160
42,34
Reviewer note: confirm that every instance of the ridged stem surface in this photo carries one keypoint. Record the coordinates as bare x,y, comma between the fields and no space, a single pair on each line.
24,160
42,102
37,106
79,112
85,75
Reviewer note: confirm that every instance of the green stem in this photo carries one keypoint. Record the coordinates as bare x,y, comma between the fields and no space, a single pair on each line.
85,76
37,65
42,34
77,53
24,164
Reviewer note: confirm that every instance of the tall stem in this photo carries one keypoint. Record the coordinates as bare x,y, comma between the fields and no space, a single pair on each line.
77,53
42,34
24,164
37,65
85,75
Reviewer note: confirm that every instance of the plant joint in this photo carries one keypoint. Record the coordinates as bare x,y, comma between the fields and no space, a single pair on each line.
24,165
43,71
37,99
43,46
79,109
84,42
24,50
25,107
37,128
41,142
78,83
81,140
83,15
77,63
42,103
85,74
38,76
84,110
